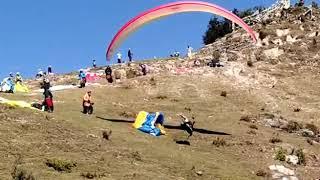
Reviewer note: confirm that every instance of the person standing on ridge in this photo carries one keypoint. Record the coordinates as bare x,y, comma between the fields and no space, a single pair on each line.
94,64
49,70
108,72
18,78
130,55
87,103
11,75
39,74
119,55
190,49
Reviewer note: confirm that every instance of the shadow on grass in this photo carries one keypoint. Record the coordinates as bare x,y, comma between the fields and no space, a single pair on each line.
198,130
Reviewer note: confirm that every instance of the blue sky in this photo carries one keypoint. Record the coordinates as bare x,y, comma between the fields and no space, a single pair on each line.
68,34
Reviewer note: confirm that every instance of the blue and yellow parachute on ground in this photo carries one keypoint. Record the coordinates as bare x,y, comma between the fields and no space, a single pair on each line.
151,123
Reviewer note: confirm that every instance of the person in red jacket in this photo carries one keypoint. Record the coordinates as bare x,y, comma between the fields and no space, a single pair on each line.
48,100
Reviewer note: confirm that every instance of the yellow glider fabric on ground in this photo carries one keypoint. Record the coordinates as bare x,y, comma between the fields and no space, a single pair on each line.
21,88
21,104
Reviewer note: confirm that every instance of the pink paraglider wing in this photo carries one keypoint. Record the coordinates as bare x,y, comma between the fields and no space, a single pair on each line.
169,9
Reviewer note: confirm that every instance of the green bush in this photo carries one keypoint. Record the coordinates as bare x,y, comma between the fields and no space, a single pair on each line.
61,165
301,157
281,155
22,174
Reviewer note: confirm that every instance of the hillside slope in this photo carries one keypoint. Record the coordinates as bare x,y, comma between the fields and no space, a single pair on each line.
265,109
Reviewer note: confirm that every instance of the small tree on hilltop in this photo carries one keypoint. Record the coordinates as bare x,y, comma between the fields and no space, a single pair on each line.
218,28
315,5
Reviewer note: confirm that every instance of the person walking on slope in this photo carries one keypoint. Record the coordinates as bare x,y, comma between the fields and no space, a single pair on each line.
119,55
48,100
82,78
108,72
87,103
130,55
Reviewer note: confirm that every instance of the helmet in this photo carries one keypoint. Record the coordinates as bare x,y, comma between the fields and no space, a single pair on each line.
18,73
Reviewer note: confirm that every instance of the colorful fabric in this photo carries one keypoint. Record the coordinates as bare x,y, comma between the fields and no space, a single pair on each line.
151,123
19,87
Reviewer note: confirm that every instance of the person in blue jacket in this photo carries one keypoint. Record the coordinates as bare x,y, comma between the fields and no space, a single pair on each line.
82,78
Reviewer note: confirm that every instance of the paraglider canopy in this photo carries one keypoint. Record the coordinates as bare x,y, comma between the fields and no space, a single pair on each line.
169,9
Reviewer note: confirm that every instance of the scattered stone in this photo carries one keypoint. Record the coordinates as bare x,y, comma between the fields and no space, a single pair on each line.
252,132
288,148
119,74
282,32
106,135
310,141
292,159
253,126
275,140
262,173
281,172
274,123
92,175
219,142
248,118
136,155
224,93
250,63
297,110
273,53
92,136
292,126
183,142
313,128
307,133
199,173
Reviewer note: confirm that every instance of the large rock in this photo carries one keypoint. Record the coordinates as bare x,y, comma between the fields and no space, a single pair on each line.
132,73
307,133
119,73
282,32
277,42
291,39
292,159
283,173
273,53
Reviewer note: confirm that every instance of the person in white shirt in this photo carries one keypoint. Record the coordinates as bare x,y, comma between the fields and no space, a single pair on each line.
119,55
190,49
